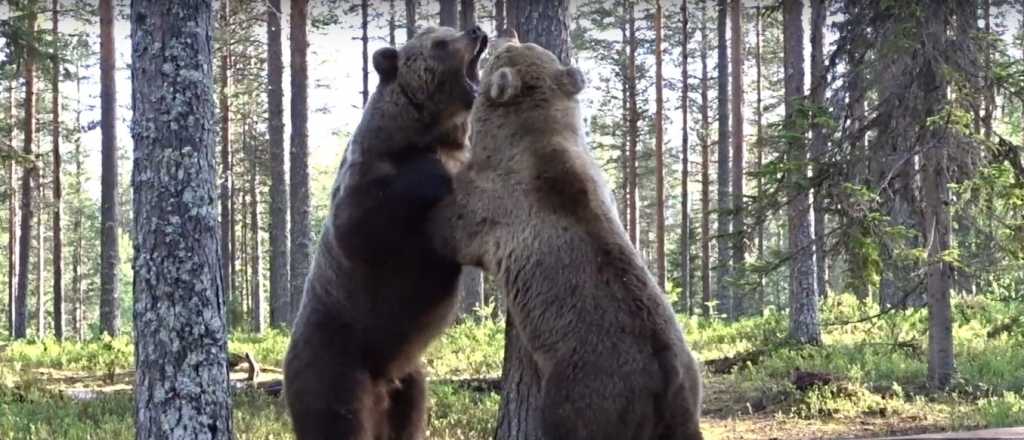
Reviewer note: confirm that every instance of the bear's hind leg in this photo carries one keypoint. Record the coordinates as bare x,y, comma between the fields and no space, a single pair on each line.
407,407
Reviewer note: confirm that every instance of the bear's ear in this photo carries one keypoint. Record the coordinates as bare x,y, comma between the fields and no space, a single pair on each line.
385,62
504,85
571,81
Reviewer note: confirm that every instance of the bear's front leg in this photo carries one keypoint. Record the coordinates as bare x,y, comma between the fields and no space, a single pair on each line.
407,412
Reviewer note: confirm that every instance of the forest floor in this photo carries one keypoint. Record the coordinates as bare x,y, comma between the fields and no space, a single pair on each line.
865,381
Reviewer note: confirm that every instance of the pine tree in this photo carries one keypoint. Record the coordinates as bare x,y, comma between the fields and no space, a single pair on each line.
659,166
722,292
27,176
58,243
280,309
736,179
301,230
110,259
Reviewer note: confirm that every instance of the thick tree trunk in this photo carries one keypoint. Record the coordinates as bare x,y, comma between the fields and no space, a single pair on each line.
705,167
227,208
935,192
632,121
545,23
659,160
804,327
280,309
301,231
467,14
684,224
110,257
449,13
722,291
40,240
27,177
520,402
58,243
818,140
738,226
855,87
410,19
181,386
499,16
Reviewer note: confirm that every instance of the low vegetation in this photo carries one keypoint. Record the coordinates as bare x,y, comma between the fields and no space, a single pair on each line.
867,379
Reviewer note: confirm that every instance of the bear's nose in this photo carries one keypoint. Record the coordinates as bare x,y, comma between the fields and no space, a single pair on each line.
475,32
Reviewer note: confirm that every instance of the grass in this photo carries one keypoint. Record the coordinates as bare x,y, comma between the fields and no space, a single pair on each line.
879,365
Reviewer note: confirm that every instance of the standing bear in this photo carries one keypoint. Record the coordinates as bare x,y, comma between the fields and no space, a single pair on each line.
531,207
379,290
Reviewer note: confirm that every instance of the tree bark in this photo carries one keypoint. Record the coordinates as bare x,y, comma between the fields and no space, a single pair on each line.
935,192
227,208
280,309
449,13
181,386
467,14
58,243
738,225
27,177
633,121
545,23
76,260
365,39
12,216
705,173
722,291
40,250
758,112
499,16
818,140
684,223
659,160
392,27
255,292
520,403
110,257
804,327
301,233
410,19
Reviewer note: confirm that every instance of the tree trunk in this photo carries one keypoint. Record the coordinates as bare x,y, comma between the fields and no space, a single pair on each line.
392,27
545,23
181,386
58,243
684,224
818,140
280,309
254,228
633,120
227,208
499,16
738,226
301,233
935,192
758,111
855,86
365,39
804,327
467,14
520,395
110,257
12,216
410,19
40,241
722,293
76,261
989,107
449,13
705,173
659,160
27,177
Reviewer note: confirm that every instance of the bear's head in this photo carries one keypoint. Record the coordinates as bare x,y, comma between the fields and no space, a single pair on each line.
519,73
436,71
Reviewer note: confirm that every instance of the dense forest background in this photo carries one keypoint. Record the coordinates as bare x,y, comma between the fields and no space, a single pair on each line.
830,164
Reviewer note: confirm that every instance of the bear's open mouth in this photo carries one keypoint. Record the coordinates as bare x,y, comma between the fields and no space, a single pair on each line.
473,67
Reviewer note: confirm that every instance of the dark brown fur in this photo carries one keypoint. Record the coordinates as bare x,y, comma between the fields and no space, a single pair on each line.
378,289
532,208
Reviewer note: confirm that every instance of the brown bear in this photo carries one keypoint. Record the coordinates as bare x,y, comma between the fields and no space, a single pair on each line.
379,290
532,208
